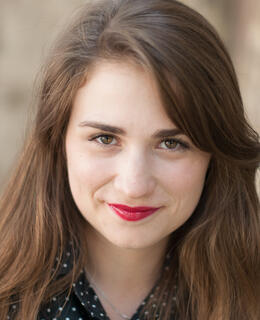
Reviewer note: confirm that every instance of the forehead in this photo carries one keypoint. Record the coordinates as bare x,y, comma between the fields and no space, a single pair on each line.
120,92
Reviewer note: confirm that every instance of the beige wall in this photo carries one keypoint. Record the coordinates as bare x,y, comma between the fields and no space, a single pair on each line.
238,22
27,28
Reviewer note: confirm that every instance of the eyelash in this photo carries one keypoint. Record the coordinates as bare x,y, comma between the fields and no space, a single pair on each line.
180,144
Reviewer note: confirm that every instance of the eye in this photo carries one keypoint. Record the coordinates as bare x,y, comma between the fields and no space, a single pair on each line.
103,139
174,144
171,144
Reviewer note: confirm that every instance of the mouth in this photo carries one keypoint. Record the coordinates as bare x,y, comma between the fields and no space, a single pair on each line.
132,213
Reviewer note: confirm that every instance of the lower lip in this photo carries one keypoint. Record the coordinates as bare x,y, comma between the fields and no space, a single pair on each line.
132,216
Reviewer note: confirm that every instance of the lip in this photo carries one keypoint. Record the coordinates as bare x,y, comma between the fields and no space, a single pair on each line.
132,213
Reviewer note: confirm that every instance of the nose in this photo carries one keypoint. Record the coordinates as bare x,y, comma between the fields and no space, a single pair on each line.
134,176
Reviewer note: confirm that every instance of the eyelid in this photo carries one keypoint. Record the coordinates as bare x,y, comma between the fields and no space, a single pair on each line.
183,144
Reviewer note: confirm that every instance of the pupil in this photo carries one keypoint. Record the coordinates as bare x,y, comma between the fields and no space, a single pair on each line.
105,139
171,143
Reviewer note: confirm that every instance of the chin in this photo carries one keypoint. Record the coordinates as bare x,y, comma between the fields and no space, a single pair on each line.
133,242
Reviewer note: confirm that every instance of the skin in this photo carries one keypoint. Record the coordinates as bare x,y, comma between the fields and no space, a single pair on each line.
134,169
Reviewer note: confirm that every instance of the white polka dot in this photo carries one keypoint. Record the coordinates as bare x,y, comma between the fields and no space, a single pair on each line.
54,298
81,283
65,265
82,303
93,305
102,315
67,318
68,254
73,309
81,293
49,310
60,308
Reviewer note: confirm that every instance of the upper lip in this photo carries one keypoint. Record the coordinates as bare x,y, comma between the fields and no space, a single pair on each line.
127,208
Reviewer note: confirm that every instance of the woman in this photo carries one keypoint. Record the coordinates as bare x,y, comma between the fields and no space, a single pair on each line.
135,195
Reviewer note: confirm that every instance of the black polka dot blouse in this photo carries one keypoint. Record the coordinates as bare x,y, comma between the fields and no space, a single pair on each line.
83,302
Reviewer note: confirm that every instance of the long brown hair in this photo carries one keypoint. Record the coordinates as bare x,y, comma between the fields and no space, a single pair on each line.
215,259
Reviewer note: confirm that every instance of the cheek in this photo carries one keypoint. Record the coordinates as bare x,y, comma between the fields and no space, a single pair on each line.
185,183
185,179
86,173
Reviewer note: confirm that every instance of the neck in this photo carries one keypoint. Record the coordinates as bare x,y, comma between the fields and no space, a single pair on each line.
118,271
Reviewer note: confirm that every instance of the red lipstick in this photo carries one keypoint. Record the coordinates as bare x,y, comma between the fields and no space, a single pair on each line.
132,213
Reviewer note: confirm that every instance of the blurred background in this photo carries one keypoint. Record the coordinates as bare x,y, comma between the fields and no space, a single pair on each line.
28,28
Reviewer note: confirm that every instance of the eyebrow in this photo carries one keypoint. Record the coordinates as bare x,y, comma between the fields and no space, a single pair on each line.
108,128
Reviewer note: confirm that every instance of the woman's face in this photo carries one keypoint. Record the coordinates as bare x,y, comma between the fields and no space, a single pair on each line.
131,163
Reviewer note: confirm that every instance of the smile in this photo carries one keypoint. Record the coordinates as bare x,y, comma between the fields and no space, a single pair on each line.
132,213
